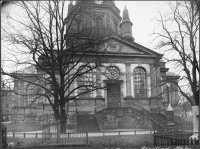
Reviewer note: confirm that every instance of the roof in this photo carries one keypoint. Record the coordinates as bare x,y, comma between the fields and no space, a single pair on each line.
27,70
171,74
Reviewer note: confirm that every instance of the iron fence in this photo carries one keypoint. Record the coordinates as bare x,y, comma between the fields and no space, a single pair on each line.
175,139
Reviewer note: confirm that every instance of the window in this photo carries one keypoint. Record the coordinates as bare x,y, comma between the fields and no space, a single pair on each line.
80,25
31,93
140,85
85,82
99,22
115,27
7,105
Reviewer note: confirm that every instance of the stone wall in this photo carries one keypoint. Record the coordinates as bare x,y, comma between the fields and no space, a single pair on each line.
122,118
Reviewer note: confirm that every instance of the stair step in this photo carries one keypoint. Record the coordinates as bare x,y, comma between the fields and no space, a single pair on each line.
87,123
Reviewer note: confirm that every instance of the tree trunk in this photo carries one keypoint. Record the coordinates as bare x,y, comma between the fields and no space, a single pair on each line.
63,124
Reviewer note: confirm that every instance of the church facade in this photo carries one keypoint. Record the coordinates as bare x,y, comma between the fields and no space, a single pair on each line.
132,75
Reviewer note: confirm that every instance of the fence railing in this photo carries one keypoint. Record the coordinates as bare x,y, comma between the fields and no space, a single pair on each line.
78,138
175,139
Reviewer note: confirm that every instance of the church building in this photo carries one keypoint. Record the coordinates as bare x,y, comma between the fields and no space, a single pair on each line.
133,76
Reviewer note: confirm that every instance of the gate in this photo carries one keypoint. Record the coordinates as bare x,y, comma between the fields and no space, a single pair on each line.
4,137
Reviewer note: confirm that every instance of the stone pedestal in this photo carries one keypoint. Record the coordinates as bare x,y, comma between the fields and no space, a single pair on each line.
170,117
195,114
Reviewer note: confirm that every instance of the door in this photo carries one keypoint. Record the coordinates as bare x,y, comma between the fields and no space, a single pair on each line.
119,122
113,92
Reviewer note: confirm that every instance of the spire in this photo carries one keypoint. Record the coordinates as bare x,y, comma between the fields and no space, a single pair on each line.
126,26
70,7
125,14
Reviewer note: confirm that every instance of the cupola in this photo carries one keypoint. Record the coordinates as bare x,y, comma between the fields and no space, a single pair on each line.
126,25
70,6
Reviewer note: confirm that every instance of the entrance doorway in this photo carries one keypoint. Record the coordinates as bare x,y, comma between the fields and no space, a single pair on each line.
113,92
119,122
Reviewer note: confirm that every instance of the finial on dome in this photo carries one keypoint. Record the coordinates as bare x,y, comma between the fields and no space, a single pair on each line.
70,7
125,13
126,26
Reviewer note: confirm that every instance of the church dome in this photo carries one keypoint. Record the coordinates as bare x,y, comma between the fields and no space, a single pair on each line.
98,2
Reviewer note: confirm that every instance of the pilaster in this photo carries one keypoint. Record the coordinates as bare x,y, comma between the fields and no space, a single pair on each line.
98,79
128,82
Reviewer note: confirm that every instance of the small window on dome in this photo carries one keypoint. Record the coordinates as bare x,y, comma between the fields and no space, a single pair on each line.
115,27
99,22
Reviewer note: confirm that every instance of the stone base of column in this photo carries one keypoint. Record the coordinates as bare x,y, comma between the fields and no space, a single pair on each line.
128,98
99,98
170,124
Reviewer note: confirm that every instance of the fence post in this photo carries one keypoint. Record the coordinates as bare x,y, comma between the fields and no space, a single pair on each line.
154,139
119,133
86,138
36,134
24,135
13,134
135,132
42,138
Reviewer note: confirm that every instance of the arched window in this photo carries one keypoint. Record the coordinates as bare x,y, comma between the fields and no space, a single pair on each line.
85,81
80,25
31,93
99,22
115,27
140,82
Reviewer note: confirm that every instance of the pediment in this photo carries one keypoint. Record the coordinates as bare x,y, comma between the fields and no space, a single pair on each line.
119,46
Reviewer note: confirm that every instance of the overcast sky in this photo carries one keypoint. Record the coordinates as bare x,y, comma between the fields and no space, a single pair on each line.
141,13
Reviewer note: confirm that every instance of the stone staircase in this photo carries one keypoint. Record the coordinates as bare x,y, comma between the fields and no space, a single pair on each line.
134,106
87,123
181,123
159,117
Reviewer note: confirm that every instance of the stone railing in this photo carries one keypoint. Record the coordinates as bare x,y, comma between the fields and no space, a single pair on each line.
182,124
119,105
154,118
101,107
99,121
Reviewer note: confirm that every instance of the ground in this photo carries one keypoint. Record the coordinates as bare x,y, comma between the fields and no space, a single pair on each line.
23,127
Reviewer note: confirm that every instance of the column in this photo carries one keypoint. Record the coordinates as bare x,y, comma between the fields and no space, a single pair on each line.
128,82
152,80
98,79
152,77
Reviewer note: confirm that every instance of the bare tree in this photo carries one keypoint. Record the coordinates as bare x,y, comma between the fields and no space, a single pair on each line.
179,40
62,50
